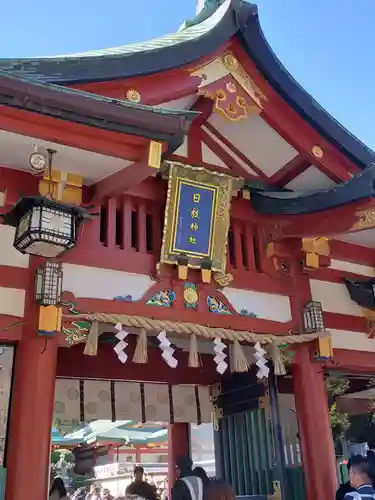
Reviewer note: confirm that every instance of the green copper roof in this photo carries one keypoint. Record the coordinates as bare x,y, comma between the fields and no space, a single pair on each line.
57,68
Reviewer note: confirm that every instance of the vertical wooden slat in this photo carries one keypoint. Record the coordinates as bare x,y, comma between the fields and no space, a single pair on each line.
266,466
110,240
249,247
241,463
251,451
225,448
142,239
237,245
127,224
156,232
232,455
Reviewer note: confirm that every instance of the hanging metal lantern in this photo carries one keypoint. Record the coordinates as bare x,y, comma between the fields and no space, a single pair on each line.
313,317
48,284
44,227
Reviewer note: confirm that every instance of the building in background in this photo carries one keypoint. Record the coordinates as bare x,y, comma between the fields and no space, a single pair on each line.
188,239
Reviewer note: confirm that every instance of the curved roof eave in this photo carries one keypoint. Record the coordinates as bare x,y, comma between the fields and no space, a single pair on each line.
203,36
293,203
97,111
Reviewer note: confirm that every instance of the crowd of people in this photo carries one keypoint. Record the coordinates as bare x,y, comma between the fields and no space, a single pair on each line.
191,484
194,484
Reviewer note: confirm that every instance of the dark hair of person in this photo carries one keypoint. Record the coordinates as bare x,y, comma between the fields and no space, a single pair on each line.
349,464
371,443
139,468
361,465
58,485
200,472
218,489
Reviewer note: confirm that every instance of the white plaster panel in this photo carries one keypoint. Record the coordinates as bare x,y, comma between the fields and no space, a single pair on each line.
263,305
209,157
97,283
361,238
334,298
351,267
9,256
256,140
356,341
183,149
12,302
310,180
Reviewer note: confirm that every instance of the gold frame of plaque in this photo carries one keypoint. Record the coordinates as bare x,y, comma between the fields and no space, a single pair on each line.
205,184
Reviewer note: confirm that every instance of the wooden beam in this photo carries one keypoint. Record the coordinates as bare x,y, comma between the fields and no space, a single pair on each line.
194,142
121,181
227,158
129,177
71,134
290,170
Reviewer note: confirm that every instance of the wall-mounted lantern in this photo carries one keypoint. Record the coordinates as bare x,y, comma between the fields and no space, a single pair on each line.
44,227
313,317
48,284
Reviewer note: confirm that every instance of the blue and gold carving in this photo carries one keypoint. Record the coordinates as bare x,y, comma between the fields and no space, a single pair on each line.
191,296
124,298
196,217
162,298
215,305
245,312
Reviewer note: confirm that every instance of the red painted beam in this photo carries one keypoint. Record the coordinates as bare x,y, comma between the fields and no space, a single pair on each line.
290,170
353,361
122,181
10,328
72,363
204,317
293,128
227,158
157,87
194,143
324,223
337,321
349,252
14,277
71,134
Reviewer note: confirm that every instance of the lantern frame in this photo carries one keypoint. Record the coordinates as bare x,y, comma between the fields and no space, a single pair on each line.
313,317
48,284
44,227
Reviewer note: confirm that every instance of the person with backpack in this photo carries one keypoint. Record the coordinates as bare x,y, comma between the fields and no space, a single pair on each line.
188,485
360,476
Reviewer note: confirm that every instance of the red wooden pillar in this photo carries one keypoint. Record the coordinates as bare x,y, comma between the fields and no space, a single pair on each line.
30,422
314,426
178,446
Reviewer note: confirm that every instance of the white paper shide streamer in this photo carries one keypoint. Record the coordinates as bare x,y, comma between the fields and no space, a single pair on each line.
121,344
220,356
167,350
261,362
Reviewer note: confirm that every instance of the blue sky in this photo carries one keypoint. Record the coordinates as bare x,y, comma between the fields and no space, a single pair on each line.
327,45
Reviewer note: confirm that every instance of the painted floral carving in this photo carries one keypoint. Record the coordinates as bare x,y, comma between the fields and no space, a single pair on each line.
162,298
190,296
215,305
